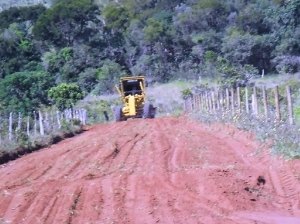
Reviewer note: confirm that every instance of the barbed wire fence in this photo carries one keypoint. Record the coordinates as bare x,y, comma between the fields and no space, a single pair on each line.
269,104
269,113
38,123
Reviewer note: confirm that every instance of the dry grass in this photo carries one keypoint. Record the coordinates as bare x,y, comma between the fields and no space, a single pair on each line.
10,150
166,97
285,137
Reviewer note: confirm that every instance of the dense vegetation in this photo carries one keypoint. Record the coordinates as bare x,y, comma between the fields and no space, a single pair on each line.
92,45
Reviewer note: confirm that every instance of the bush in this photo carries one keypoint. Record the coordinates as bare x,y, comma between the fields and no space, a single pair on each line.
107,76
25,91
186,93
88,79
287,64
233,76
65,95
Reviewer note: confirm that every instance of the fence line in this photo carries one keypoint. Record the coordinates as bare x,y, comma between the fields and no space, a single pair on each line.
40,124
270,104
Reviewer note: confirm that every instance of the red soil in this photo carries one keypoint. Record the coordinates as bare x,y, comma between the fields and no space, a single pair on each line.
167,170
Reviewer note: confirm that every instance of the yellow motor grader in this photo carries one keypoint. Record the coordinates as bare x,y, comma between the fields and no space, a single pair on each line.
132,92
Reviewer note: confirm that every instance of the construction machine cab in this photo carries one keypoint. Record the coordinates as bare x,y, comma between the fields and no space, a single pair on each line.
132,87
132,92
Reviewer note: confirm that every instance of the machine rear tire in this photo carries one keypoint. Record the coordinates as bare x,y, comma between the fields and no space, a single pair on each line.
118,113
148,111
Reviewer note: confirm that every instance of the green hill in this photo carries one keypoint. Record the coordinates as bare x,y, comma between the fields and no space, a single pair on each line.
93,43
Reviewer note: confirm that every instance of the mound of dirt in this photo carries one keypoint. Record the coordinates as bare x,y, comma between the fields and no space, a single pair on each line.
167,170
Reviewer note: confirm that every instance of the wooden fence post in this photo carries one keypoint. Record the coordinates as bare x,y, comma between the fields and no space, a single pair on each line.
209,102
47,123
238,93
290,105
247,100
213,101
84,116
53,120
218,99
200,102
227,100
222,100
66,115
10,126
19,121
35,123
277,106
192,104
254,102
42,131
204,102
265,99
58,119
28,127
197,102
232,101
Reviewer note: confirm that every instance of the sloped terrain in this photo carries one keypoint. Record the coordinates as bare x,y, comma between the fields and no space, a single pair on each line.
166,170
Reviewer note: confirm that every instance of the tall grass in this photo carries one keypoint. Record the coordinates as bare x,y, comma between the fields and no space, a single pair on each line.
285,137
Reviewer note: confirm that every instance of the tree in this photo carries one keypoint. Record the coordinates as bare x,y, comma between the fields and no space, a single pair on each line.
65,95
66,21
116,16
107,76
251,18
25,91
88,79
20,14
17,49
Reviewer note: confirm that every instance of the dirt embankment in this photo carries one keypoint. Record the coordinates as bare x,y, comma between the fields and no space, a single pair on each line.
165,170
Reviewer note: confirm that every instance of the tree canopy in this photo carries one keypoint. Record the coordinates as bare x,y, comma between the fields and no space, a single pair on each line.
25,91
92,44
65,95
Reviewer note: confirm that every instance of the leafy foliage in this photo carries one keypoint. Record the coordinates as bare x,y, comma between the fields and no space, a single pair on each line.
25,91
17,50
65,95
65,22
21,14
107,76
116,16
92,45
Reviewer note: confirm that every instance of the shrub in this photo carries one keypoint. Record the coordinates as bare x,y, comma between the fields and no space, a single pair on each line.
65,95
25,91
186,93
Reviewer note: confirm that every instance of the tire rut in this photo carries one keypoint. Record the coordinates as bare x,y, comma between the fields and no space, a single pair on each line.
166,170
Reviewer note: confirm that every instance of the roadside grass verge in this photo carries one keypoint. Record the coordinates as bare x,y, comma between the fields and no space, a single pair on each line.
166,97
11,150
285,138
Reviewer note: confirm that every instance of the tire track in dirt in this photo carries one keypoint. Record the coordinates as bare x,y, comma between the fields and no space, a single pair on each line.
167,170
183,177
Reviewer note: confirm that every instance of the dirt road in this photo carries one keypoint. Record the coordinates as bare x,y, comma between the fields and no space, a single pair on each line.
166,170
